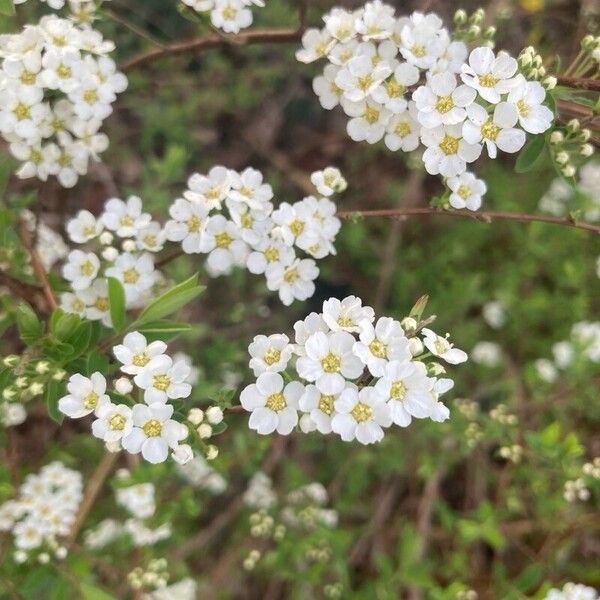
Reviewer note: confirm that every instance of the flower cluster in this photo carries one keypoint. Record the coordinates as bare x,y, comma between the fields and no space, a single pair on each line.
572,591
199,474
43,511
251,233
57,85
138,427
404,80
228,15
81,11
354,376
562,199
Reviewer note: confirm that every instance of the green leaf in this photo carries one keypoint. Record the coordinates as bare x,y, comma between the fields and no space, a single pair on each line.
416,312
80,340
163,330
91,592
116,299
54,391
65,326
30,327
7,7
530,154
96,361
171,301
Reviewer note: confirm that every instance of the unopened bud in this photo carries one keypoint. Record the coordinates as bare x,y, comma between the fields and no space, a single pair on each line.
106,238
586,150
128,246
574,125
110,254
556,137
12,360
204,431
195,416
585,135
214,414
562,158
123,385
212,452
550,82
568,171
460,17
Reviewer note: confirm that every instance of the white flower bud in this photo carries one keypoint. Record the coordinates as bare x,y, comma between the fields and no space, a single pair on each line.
588,42
204,431
307,424
44,558
214,415
574,125
42,367
128,246
550,82
586,150
36,388
460,17
415,345
123,385
585,135
106,238
409,324
123,474
475,31
110,254
182,454
61,552
525,60
436,369
195,416
556,137
212,452
20,556
562,158
569,170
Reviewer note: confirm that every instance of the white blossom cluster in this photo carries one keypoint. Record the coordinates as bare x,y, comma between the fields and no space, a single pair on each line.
572,591
561,198
138,427
199,474
43,511
229,15
122,222
139,501
230,216
354,375
584,343
81,11
49,244
57,85
404,80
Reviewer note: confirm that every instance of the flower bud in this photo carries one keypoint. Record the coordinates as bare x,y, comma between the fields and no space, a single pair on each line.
556,137
489,33
60,552
106,238
460,17
21,382
573,125
474,31
307,424
12,360
524,60
212,452
36,388
110,254
123,385
562,158
128,246
204,431
568,171
20,556
588,42
537,61
415,345
195,416
550,82
585,135
43,558
541,71
182,454
586,150
409,324
214,415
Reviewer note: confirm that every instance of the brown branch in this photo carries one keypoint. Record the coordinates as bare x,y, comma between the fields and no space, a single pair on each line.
169,257
26,291
258,36
579,83
97,480
487,216
38,267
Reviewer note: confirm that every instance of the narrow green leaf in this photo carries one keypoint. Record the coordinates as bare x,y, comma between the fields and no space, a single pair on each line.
96,361
530,154
91,592
30,327
7,7
171,301
116,299
416,312
55,390
80,340
66,326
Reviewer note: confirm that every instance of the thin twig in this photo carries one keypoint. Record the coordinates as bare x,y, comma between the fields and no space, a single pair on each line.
97,480
579,83
487,216
37,265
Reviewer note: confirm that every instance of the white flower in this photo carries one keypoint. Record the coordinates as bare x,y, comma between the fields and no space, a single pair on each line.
72,303
391,93
304,329
135,353
125,218
447,152
497,131
209,190
182,454
269,354
527,98
83,227
320,405
490,75
326,88
62,69
273,407
494,314
341,24
222,241
329,181
488,354
467,191
81,269
376,21
408,390
162,379
151,237
188,223
96,301
154,432
294,281
440,346
361,415
423,39
113,422
316,44
346,314
381,344
231,15
294,223
254,225
248,188
403,131
329,360
86,395
359,77
135,272
368,122
441,101
269,252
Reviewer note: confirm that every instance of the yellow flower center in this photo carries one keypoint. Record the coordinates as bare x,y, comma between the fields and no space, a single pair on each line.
296,226
117,422
398,390
78,305
130,275
487,80
247,192
90,96
449,144
402,129
276,402
418,50
272,355
365,82
229,13
394,88
378,348
90,400
361,412
141,359
193,224
345,321
27,78
291,275
89,231
523,108
152,428
57,125
22,111
150,240
331,363
246,220
464,191
126,221
35,156
64,160
326,404
101,304
371,115
64,72
444,104
223,240
271,254
161,382
213,193
59,40
86,268
490,130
